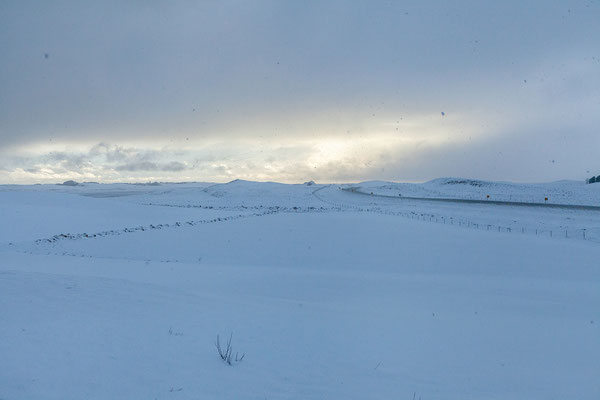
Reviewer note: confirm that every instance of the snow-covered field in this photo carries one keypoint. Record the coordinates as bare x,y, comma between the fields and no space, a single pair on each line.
119,291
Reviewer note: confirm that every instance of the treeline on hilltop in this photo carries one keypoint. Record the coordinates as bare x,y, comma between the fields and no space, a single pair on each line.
593,179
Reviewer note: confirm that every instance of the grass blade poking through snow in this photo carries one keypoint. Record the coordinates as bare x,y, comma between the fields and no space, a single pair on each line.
226,354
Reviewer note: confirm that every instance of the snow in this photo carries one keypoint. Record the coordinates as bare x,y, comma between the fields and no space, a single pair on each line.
331,295
561,192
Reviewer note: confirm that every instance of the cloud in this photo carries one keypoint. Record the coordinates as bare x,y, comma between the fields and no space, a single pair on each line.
112,153
292,90
173,166
140,166
414,148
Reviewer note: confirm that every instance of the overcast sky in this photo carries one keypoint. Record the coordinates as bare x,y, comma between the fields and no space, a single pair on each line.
297,90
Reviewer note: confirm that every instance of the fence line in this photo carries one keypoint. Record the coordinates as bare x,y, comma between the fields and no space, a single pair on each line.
580,233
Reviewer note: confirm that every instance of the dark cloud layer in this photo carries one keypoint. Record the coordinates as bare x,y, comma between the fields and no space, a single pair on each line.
91,87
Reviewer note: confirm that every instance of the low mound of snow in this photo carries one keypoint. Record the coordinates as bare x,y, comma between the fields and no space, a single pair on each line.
70,183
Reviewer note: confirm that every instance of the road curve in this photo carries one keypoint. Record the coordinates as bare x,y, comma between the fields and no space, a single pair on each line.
471,201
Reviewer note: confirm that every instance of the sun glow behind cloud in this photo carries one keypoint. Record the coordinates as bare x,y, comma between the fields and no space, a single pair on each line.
287,158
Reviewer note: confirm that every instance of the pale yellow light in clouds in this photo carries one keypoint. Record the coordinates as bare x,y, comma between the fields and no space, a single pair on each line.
292,157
